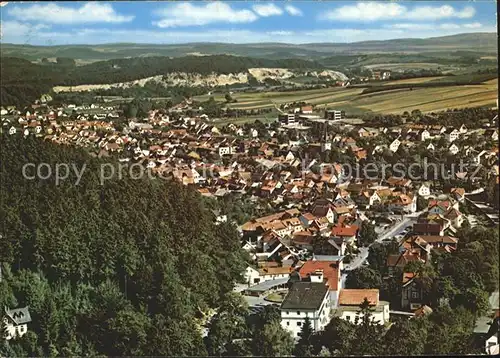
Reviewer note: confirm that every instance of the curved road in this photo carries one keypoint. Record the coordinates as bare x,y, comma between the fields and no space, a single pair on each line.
363,254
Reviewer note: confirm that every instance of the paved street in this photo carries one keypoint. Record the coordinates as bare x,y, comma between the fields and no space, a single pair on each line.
363,254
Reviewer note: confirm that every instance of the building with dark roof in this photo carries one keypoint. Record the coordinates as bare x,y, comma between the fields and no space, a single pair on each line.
306,299
16,322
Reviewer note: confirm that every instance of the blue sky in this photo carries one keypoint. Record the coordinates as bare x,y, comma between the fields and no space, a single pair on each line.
53,23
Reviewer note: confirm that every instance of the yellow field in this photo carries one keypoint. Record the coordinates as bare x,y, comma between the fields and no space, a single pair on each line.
411,80
393,101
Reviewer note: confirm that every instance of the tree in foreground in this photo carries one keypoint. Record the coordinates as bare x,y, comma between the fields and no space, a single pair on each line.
272,341
304,347
368,334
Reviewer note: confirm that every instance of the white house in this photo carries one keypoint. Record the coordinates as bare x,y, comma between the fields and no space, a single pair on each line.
424,135
374,198
306,299
16,322
452,134
351,299
224,150
424,190
394,146
12,130
254,133
453,149
430,146
251,275
462,129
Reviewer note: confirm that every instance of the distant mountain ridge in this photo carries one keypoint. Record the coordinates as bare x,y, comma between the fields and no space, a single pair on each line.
482,42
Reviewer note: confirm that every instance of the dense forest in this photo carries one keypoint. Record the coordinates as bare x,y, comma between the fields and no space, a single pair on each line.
23,81
133,262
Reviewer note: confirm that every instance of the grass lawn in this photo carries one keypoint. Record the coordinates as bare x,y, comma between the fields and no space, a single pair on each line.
276,297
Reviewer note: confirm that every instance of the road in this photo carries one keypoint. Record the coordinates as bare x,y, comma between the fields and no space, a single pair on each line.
363,254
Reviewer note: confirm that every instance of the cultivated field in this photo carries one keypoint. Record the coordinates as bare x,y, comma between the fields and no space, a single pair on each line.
412,80
427,99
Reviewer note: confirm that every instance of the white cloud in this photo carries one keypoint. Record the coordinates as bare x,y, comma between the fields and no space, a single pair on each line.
292,10
474,25
432,26
20,33
368,11
442,12
267,10
22,30
186,14
373,11
280,33
449,26
409,26
90,12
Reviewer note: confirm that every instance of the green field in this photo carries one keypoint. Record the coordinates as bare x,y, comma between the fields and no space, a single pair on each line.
392,100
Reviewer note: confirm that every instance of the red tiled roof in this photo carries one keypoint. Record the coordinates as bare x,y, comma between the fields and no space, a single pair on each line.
354,297
330,271
345,230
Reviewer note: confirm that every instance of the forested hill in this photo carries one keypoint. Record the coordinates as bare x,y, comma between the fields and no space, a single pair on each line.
24,81
131,262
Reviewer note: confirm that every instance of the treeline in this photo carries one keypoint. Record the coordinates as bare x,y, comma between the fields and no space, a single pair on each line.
123,268
470,117
23,81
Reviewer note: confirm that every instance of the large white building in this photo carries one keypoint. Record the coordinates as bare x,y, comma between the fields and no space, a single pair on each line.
306,299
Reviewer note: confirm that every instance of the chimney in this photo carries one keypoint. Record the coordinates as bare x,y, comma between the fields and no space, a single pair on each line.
317,276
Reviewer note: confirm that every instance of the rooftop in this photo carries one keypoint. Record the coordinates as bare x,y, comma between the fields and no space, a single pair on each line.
305,296
330,271
355,297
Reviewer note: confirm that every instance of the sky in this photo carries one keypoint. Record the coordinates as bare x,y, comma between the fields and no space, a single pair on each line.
57,23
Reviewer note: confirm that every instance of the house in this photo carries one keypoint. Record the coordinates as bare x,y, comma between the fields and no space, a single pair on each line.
306,299
424,135
412,293
16,322
306,109
251,275
12,130
430,146
323,208
394,146
351,299
223,150
434,241
441,206
458,194
451,134
331,275
491,134
453,149
347,232
424,190
423,228
403,203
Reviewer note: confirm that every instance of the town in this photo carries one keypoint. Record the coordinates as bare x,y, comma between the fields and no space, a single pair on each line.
249,179
321,226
